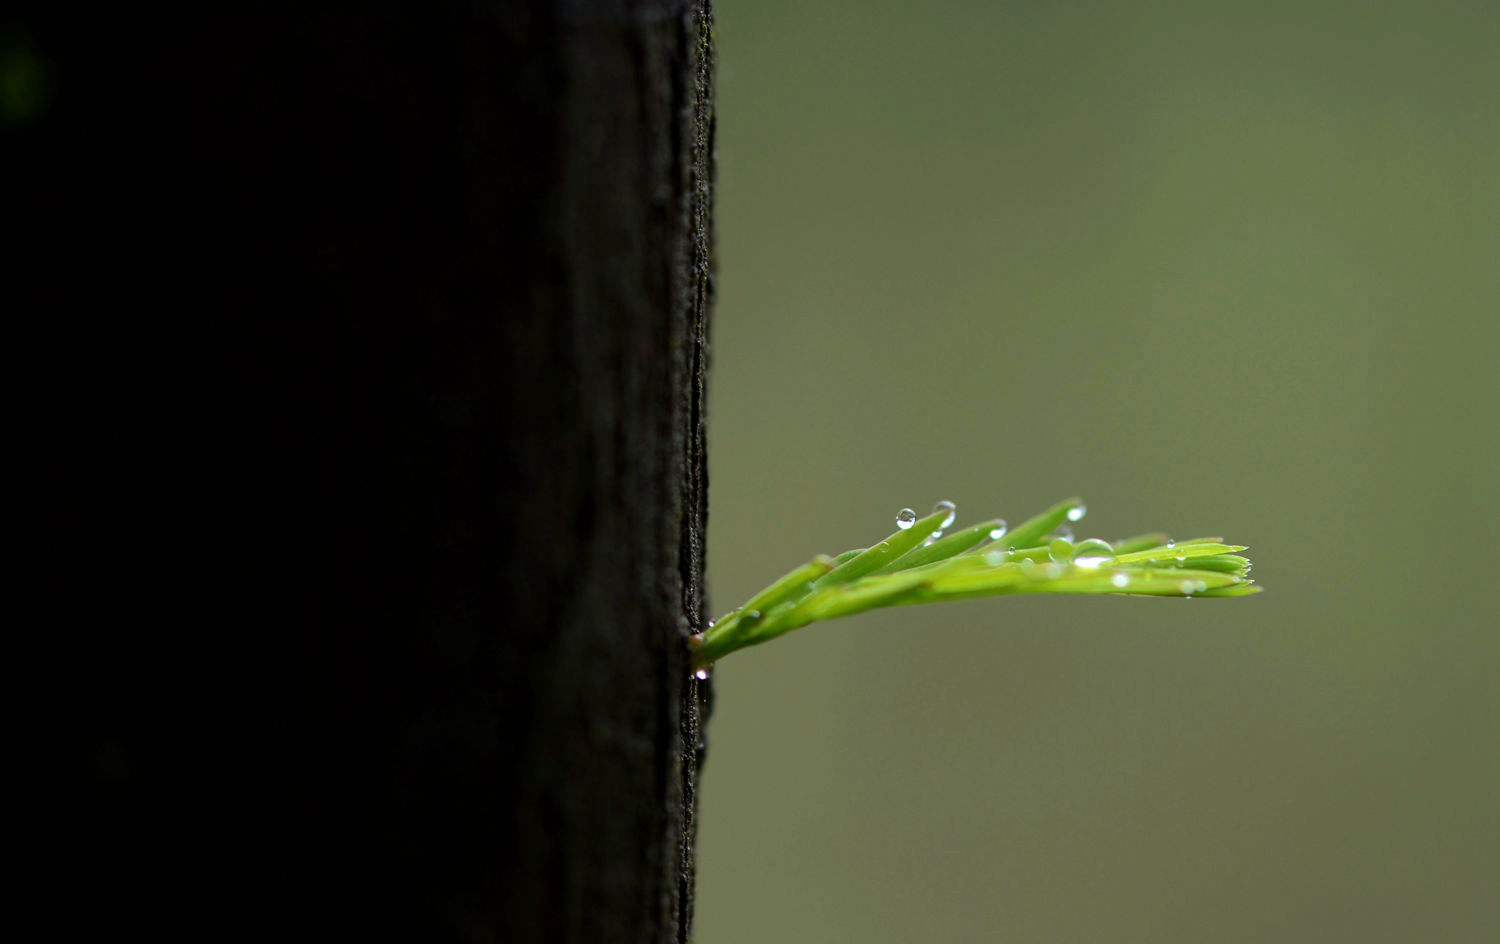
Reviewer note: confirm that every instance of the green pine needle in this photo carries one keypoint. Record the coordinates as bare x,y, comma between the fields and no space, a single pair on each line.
918,564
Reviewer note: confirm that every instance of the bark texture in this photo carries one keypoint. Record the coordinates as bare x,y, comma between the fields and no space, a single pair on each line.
369,358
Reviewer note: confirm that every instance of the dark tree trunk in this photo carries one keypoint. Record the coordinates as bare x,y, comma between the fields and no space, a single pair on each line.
369,361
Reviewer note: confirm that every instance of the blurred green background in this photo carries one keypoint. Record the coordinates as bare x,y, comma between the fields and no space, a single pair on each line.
1220,268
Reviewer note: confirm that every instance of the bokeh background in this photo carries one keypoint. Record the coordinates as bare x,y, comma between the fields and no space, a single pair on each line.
1220,268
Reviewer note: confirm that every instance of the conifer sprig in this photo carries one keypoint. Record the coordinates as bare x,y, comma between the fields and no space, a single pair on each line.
921,564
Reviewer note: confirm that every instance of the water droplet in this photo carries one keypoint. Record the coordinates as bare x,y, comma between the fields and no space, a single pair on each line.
1181,558
1093,552
1188,586
1077,512
1055,570
998,531
1064,532
751,619
994,558
905,518
1061,550
1120,580
1171,544
950,508
701,675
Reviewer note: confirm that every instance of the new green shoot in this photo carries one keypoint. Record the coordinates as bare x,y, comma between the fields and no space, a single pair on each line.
920,564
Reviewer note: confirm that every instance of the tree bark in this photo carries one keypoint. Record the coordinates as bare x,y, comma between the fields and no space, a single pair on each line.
369,384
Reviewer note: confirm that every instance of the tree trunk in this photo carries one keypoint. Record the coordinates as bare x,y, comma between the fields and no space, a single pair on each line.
369,393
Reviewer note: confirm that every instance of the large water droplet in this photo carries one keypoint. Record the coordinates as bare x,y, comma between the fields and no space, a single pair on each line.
1121,580
1188,586
1061,550
998,531
905,518
1092,552
950,508
1077,512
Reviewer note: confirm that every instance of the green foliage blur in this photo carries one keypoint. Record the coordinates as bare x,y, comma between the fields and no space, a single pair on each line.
1224,268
